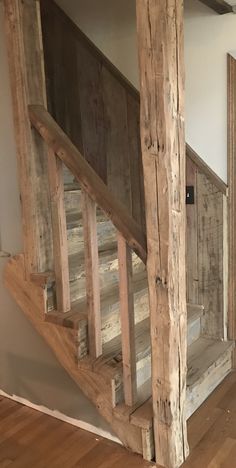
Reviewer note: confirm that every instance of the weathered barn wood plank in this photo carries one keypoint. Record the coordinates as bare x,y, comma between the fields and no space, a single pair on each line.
191,236
127,321
160,38
25,54
210,256
91,106
92,275
59,232
89,180
117,142
100,102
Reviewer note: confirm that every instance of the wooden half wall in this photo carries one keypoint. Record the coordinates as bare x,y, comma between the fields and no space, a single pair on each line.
95,105
207,269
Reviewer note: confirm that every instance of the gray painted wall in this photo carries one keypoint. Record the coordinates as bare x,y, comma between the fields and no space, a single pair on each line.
28,368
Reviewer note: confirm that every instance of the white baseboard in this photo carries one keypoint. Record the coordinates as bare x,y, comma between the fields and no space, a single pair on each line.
62,417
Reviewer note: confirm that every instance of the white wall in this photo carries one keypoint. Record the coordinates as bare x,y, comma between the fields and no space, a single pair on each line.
28,368
208,39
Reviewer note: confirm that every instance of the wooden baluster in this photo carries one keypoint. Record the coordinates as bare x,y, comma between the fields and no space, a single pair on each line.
92,275
127,321
59,230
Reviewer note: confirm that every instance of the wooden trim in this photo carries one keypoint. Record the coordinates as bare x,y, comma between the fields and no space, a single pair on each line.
127,321
232,197
59,232
219,6
25,56
205,169
92,275
161,58
57,140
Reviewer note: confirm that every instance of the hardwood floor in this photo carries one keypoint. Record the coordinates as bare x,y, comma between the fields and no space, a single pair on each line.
29,439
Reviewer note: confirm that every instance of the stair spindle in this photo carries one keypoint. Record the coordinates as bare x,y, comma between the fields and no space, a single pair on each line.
59,232
127,321
92,275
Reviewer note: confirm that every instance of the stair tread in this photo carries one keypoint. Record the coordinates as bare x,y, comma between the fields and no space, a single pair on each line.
203,354
143,343
109,296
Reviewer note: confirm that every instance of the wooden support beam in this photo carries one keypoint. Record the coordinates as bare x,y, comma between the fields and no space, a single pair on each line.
25,56
59,232
219,6
232,197
161,56
92,275
127,321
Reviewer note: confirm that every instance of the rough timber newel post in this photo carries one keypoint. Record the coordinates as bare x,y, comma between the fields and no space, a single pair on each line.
26,66
161,52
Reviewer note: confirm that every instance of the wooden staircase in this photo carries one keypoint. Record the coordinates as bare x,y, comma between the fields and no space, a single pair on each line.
92,306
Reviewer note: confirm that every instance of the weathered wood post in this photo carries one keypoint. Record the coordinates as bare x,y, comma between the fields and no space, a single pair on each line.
161,53
26,65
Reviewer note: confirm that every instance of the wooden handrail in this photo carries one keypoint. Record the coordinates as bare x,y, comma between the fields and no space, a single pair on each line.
205,169
90,182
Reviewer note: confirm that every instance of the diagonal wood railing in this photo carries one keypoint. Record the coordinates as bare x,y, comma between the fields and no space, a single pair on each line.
129,236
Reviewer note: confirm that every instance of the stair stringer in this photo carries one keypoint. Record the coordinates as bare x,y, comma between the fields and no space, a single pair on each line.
31,298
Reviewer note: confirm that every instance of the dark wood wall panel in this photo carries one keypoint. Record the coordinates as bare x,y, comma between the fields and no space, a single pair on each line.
95,106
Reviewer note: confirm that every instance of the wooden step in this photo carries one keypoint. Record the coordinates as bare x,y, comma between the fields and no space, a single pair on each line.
209,361
195,314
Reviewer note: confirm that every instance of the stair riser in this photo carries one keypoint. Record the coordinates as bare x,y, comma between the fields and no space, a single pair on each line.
111,322
200,391
194,330
75,236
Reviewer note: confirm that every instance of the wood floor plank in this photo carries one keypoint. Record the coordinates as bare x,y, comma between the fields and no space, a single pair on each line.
29,439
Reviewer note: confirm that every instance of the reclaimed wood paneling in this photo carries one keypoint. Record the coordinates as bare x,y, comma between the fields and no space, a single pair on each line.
96,106
192,237
210,231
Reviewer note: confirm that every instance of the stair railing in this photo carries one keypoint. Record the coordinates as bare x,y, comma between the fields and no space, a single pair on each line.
129,237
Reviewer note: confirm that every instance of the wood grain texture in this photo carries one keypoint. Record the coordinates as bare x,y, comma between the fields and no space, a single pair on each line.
100,102
95,385
92,275
89,180
25,56
160,40
30,438
127,322
210,256
59,232
192,236
232,196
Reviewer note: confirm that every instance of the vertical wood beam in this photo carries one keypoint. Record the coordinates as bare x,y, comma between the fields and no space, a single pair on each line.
161,57
26,65
92,275
127,321
232,197
59,232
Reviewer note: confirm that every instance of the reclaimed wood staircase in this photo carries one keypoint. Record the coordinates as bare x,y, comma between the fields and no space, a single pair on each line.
92,306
